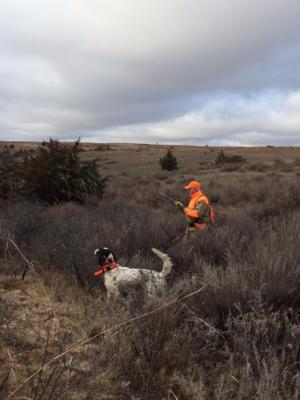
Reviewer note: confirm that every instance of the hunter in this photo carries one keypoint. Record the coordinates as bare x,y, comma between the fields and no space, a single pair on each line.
199,213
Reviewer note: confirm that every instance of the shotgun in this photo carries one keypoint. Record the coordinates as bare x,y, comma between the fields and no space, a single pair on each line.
178,204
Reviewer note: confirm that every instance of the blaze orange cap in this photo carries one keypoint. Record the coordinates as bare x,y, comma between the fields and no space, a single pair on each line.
193,185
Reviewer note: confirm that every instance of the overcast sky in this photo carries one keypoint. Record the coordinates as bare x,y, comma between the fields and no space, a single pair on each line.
169,71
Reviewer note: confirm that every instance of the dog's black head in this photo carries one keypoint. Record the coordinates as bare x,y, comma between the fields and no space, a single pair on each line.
104,255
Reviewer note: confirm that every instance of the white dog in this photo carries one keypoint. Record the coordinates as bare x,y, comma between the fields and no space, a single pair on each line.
117,278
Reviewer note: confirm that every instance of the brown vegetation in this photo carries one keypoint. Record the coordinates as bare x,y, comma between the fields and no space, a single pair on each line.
237,339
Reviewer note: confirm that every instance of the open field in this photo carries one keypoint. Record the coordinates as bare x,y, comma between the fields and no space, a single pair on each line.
237,339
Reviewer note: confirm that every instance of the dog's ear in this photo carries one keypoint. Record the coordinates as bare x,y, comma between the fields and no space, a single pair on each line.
96,252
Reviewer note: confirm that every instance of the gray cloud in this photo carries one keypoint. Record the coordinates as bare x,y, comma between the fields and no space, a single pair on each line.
91,69
267,118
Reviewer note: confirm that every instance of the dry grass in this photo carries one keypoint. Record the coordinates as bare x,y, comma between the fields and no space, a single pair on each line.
238,339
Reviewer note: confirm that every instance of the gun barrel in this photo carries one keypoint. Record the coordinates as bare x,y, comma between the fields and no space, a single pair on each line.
166,197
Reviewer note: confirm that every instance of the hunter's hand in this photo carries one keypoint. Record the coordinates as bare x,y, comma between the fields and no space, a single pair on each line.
179,205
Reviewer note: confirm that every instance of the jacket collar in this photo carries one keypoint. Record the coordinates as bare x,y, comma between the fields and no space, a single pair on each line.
199,193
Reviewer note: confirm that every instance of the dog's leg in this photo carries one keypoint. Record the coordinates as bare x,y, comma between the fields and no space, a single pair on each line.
156,289
149,290
113,292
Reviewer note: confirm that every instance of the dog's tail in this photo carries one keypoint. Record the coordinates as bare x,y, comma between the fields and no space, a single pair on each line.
167,262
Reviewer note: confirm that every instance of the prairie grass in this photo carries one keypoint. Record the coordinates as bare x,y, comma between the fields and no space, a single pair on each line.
238,339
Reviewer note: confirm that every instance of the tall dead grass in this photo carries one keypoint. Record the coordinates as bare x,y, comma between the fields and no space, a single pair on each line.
238,339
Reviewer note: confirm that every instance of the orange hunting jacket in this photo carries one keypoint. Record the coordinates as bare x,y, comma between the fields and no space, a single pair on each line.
198,210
